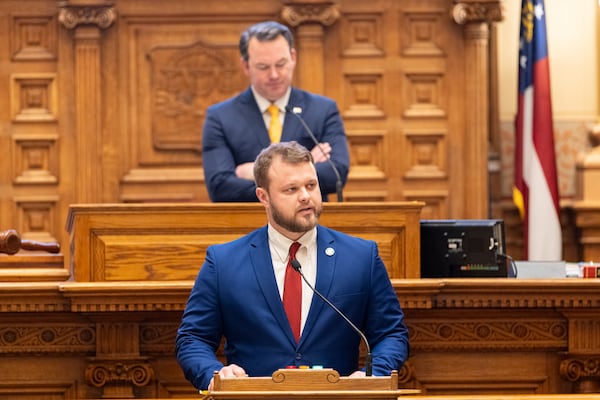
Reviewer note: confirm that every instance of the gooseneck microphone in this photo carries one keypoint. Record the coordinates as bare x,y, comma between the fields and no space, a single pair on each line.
368,358
338,180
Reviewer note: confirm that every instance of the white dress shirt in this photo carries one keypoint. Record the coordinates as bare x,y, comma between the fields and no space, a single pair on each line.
306,256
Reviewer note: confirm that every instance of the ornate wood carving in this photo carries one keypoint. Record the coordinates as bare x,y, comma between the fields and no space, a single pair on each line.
428,334
118,377
391,65
297,12
583,370
158,338
118,337
185,80
73,15
46,338
468,11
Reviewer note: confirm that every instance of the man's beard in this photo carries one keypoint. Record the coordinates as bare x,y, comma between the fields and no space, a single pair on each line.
293,224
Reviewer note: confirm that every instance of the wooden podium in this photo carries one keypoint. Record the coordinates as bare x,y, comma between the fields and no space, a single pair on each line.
167,242
313,384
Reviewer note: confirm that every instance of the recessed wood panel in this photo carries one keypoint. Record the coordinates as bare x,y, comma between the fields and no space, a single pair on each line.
33,38
34,97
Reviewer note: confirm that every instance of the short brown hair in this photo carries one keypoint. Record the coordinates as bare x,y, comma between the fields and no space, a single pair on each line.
264,32
290,152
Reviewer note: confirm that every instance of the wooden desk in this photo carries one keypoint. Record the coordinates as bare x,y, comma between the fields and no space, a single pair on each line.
129,242
478,336
110,329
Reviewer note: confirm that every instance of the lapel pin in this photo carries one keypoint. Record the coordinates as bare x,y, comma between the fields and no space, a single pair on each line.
329,251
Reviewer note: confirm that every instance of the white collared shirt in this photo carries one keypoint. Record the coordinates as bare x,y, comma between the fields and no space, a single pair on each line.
279,246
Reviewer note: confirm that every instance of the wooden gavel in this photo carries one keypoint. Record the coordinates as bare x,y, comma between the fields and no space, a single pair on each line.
11,243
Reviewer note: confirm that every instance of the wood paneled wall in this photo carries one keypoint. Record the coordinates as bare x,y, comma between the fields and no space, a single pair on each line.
104,100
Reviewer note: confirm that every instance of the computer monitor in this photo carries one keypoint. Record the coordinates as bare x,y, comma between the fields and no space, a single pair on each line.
463,248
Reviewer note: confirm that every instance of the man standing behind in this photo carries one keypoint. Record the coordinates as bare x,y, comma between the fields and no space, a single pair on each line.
248,292
236,130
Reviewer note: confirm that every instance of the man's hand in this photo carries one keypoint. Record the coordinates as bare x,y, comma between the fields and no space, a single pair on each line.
358,374
245,171
228,371
322,154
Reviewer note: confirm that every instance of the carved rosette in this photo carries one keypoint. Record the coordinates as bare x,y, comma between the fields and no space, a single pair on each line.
100,373
101,16
465,11
406,374
299,12
579,368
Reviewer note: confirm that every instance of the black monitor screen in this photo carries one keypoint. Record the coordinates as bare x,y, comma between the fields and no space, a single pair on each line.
462,248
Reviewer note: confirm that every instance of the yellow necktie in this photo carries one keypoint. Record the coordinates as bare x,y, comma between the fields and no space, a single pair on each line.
275,124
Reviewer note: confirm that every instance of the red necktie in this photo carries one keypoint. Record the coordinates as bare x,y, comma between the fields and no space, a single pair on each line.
292,293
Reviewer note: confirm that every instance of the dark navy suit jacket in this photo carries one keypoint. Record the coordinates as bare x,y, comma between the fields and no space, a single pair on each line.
234,133
236,296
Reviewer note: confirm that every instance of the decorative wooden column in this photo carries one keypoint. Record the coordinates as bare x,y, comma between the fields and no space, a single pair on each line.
87,18
309,17
476,16
581,365
118,366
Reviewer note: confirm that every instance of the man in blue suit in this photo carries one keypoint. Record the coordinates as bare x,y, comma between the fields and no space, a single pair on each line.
236,130
241,291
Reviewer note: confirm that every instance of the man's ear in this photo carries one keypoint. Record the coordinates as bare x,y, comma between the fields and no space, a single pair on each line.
245,66
262,195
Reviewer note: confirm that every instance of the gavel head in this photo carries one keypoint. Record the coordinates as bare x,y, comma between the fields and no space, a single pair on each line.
10,242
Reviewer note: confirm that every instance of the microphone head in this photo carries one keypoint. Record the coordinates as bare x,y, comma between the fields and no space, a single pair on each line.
296,265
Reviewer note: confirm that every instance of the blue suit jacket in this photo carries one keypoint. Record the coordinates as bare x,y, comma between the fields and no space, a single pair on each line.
236,296
234,133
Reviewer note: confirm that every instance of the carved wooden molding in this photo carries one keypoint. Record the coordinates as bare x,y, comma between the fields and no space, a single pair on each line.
34,38
406,374
489,334
297,12
44,338
158,337
71,16
467,11
583,370
575,368
103,372
34,97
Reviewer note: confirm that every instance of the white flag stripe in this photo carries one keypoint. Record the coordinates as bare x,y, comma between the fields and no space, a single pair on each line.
545,240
